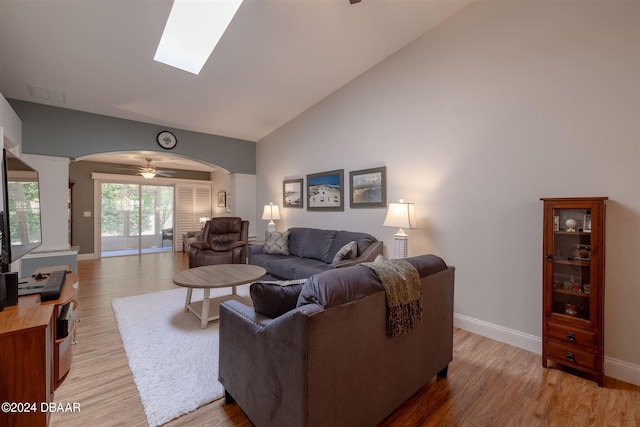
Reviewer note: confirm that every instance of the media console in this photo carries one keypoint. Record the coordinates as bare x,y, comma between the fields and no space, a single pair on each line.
36,338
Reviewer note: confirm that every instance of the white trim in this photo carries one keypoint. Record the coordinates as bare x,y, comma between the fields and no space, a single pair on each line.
10,125
499,333
112,177
624,371
97,214
50,253
613,368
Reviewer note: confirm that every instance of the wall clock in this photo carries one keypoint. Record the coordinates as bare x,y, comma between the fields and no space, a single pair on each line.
167,140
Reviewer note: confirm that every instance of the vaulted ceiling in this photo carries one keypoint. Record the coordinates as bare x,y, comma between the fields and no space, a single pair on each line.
276,59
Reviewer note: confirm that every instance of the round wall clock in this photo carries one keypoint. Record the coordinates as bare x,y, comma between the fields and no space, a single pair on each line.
167,140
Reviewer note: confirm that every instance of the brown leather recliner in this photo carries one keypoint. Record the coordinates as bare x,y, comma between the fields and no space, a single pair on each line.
224,241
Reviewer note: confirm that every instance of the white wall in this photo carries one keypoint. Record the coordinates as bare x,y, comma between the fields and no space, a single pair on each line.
243,199
242,190
54,198
503,104
10,125
54,182
221,182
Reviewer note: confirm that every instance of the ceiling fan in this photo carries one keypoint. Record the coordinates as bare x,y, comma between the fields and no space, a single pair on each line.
148,171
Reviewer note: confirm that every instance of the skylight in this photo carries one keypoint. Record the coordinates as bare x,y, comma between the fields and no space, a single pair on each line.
192,32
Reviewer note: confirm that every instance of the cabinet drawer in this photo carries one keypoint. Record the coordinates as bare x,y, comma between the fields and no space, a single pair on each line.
586,339
568,355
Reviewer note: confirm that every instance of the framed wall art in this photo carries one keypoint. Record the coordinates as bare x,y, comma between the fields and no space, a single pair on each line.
222,199
325,191
292,196
368,188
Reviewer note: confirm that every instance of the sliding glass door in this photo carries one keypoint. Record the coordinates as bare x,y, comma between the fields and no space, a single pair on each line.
136,218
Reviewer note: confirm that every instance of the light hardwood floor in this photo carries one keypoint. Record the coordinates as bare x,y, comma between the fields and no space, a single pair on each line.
489,383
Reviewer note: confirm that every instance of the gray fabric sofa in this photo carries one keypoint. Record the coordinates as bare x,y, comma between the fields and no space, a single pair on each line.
312,251
328,361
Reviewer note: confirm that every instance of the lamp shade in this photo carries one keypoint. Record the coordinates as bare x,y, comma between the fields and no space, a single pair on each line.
401,215
270,212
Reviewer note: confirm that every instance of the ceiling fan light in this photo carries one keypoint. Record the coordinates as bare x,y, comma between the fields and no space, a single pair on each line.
148,174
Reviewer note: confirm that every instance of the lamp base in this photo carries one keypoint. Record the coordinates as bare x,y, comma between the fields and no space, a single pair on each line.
400,245
271,227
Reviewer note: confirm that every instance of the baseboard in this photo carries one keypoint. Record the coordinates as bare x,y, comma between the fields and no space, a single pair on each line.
87,256
622,370
499,333
613,368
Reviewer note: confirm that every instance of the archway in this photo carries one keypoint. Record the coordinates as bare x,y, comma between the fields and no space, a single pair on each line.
90,174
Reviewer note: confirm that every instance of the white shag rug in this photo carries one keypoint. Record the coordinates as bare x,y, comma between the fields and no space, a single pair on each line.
174,362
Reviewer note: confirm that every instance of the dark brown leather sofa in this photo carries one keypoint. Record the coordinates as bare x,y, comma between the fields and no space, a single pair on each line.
224,240
328,361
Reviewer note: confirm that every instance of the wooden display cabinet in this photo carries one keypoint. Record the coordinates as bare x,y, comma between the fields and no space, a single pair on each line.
35,351
25,371
573,284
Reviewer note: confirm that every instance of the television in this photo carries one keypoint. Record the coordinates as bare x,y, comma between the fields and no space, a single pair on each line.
20,221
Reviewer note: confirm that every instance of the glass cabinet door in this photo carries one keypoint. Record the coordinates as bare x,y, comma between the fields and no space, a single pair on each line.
572,263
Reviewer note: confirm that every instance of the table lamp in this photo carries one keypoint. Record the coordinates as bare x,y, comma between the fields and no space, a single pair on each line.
270,213
401,215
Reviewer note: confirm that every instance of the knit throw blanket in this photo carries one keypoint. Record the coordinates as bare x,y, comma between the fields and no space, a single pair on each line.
401,283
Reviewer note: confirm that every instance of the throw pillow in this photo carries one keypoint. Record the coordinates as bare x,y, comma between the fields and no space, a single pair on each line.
350,250
276,243
274,298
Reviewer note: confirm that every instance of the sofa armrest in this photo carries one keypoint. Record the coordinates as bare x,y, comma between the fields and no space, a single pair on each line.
256,249
200,244
227,246
259,355
253,317
245,312
368,255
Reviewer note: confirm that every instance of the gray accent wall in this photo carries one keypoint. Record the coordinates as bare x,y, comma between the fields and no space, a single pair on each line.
61,132
65,133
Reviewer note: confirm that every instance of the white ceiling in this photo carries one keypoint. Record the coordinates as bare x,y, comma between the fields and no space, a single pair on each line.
277,58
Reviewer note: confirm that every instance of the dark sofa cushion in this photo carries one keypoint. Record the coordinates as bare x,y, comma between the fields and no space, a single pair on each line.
427,264
343,285
297,239
264,260
339,286
274,298
293,267
317,245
